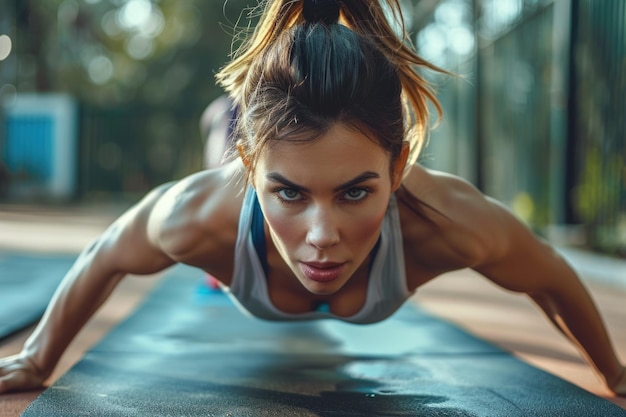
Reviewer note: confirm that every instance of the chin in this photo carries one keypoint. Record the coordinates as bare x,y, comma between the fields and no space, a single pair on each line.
323,288
322,291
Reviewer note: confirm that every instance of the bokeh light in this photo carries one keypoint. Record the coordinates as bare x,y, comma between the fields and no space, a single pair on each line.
449,37
5,47
100,69
8,94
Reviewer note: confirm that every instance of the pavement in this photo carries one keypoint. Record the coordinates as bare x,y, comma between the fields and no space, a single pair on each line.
510,321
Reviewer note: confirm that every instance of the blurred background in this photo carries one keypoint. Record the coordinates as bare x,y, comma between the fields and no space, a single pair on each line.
101,100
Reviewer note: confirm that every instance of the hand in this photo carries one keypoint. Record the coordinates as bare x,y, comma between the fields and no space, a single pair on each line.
18,373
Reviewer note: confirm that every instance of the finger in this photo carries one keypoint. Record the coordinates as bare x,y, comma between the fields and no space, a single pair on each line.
17,381
10,382
6,361
10,364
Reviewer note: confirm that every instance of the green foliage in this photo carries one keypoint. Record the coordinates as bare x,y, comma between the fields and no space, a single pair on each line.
142,72
597,197
109,52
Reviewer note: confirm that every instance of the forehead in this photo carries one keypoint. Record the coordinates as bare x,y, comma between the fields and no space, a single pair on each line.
340,148
339,154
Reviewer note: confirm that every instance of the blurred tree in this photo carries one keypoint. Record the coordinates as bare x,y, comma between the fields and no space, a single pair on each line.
115,51
142,71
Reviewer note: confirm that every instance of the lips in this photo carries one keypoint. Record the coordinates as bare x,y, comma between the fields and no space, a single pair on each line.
321,271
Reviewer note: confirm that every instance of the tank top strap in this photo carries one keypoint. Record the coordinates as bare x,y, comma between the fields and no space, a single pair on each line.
257,232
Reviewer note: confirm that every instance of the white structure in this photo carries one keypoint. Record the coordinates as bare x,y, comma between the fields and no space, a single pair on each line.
40,146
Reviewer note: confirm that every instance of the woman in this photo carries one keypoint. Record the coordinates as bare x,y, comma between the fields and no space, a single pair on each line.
324,214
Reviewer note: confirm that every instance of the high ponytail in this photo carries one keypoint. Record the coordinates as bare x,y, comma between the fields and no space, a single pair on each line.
325,11
315,62
368,18
276,16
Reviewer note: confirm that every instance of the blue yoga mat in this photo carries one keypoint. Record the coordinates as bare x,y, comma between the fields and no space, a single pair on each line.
27,282
187,353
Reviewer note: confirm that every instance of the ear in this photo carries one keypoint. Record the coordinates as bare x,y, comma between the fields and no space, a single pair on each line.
398,167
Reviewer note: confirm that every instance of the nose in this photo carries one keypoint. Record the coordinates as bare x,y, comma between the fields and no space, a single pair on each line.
323,231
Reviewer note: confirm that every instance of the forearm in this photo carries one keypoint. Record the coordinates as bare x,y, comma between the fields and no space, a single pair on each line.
517,260
575,314
126,247
83,290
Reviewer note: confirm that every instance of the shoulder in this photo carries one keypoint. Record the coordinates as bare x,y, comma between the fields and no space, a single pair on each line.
199,212
461,224
452,195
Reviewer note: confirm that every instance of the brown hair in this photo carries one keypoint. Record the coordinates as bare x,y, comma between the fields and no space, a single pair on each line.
297,75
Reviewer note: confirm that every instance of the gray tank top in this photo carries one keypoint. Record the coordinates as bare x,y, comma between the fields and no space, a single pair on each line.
386,292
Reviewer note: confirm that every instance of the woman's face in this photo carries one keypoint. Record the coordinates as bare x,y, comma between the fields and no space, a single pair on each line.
324,202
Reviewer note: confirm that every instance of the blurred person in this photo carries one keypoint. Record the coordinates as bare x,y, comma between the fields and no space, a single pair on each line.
323,211
216,128
217,124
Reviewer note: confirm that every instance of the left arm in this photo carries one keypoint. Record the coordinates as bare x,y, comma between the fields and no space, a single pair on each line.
519,261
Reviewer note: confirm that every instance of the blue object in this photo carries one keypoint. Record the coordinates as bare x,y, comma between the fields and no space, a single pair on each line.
28,148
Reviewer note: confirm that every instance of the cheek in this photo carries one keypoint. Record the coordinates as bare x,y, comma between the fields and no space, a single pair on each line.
286,230
364,228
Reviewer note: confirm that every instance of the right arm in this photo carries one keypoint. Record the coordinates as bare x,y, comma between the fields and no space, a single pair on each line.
126,247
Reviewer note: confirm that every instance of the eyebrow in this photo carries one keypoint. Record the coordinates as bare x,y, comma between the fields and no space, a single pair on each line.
367,175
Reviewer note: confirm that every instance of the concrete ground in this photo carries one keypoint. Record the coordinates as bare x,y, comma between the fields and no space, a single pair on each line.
463,297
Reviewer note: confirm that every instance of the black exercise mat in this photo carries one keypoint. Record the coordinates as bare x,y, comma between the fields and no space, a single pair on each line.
184,354
27,282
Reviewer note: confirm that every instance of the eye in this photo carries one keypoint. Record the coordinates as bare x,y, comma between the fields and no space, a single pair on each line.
287,194
356,194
